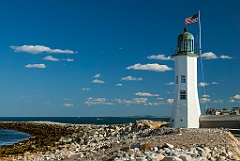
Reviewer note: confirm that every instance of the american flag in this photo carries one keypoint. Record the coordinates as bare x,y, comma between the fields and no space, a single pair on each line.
191,19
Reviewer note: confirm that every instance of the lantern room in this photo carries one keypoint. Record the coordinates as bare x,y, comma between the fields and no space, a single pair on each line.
185,44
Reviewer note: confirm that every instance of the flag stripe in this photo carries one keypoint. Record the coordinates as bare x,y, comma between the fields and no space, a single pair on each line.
191,19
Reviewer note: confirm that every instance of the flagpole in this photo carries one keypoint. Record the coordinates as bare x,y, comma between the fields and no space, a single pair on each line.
200,34
200,54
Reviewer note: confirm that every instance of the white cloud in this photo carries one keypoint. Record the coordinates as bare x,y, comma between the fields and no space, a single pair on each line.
170,83
50,58
204,100
86,89
145,94
160,57
218,101
119,84
133,101
237,96
97,101
153,103
98,81
150,67
170,101
202,84
214,83
69,60
35,66
209,55
68,105
232,101
160,98
205,95
36,49
97,76
140,100
130,78
121,101
225,57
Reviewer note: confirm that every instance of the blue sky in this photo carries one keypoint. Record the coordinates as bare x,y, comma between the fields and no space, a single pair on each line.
111,57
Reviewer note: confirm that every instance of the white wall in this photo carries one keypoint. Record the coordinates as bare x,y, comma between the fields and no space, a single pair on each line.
186,112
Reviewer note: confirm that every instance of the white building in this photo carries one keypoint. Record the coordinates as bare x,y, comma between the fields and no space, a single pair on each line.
186,108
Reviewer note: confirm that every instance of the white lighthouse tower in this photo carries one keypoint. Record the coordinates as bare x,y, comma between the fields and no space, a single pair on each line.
186,108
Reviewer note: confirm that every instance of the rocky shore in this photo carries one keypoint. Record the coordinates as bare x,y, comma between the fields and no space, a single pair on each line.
140,141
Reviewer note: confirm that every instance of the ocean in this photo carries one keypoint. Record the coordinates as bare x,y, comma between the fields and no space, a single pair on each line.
9,137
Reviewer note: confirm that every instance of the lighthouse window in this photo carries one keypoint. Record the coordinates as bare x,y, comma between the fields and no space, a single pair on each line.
176,79
183,95
183,79
192,46
189,45
181,45
185,45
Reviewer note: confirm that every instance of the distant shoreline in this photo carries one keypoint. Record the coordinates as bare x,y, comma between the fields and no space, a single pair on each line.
141,116
87,120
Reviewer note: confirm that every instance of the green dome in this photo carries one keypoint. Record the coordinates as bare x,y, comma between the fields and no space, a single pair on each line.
185,44
185,35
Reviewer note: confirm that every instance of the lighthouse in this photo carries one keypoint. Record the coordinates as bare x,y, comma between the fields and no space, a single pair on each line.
186,109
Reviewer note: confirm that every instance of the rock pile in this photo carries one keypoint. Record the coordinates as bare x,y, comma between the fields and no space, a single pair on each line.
138,142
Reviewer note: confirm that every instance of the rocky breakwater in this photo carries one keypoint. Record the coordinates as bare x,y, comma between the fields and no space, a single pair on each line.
43,136
140,141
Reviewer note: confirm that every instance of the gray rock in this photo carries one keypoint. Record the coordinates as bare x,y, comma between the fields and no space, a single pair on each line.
128,129
214,154
200,150
147,154
171,158
207,150
67,139
159,157
143,158
132,159
168,151
125,155
137,145
230,154
92,132
193,155
221,158
167,145
125,149
208,156
176,154
200,159
155,149
117,159
185,157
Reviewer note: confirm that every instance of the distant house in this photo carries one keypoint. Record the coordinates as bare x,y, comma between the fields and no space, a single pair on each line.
225,112
217,112
235,111
213,111
210,111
